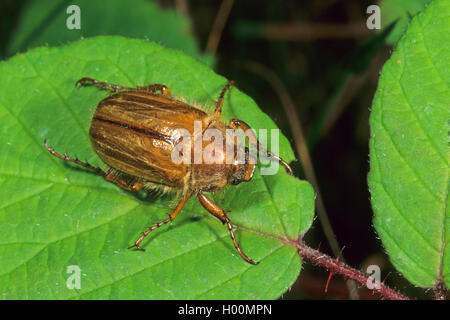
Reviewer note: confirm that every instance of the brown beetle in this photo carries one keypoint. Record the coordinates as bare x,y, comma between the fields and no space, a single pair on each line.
134,132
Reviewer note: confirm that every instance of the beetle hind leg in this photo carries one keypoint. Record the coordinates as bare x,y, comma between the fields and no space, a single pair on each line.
113,177
108,176
154,88
86,81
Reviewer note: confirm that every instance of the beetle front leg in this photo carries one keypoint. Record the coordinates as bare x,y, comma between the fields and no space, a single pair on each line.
86,81
218,212
108,176
219,103
171,217
236,124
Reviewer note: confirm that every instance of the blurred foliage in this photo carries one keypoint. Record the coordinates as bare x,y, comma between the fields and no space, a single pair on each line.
356,62
43,22
401,11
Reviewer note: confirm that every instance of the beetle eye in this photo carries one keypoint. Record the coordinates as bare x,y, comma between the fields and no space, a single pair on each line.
235,182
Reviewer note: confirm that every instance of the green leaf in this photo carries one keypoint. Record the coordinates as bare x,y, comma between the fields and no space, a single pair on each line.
409,152
400,11
43,22
54,215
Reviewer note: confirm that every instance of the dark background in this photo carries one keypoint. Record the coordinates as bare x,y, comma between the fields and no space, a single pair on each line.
331,77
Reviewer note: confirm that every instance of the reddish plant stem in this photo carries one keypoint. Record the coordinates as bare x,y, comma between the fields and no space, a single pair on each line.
440,290
341,268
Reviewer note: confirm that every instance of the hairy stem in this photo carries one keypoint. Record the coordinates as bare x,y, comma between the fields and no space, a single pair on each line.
440,290
337,267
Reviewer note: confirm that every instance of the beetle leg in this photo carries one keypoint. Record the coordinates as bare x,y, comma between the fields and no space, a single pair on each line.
171,217
212,207
236,124
108,176
86,81
154,88
218,212
117,180
219,103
